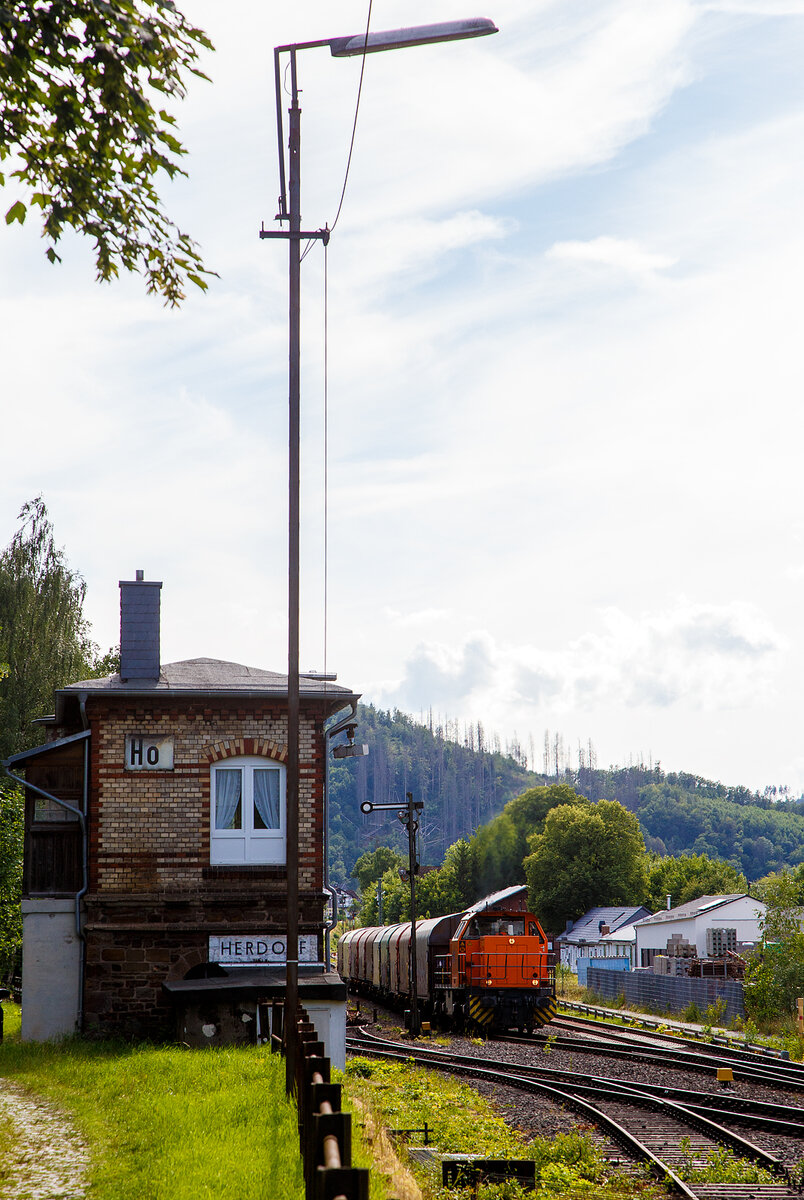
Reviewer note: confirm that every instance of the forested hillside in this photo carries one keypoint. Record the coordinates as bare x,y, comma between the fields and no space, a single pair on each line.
465,779
680,812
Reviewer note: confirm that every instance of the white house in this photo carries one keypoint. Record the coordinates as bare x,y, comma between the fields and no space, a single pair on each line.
591,934
620,944
702,928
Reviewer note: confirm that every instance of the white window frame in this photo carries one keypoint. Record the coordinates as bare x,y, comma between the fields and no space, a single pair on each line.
248,845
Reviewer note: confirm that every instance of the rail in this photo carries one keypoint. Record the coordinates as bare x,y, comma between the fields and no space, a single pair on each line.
723,1037
325,1131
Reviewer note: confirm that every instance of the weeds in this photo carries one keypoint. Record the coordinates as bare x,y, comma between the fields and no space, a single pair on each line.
569,1165
720,1166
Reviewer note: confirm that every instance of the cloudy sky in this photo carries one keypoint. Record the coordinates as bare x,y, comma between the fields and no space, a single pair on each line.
564,359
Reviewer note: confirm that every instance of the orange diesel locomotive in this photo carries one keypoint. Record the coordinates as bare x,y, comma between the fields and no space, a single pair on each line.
488,968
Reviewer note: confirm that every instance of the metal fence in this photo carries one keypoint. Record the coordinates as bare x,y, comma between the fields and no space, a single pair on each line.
325,1132
667,992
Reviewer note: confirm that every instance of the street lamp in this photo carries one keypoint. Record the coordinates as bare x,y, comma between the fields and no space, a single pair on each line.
340,47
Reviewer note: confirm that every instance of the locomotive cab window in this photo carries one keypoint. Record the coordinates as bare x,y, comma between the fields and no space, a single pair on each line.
247,811
489,926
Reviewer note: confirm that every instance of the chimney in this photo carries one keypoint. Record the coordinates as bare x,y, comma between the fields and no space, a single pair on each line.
139,629
669,903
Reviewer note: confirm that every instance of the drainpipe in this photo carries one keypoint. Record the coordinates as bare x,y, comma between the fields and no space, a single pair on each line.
329,733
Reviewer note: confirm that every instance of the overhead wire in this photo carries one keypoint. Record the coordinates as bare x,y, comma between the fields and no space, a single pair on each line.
357,110
326,329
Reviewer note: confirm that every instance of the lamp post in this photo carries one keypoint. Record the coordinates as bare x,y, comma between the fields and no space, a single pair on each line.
340,47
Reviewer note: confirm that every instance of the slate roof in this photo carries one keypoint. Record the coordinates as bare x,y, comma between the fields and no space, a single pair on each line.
693,908
587,927
209,676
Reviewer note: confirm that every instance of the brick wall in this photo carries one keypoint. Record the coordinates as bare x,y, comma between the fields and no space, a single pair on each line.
154,898
149,830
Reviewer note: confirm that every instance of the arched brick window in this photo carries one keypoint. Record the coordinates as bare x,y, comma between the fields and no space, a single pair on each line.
247,811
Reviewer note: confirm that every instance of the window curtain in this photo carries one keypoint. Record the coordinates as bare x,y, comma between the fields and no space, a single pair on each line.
228,785
266,799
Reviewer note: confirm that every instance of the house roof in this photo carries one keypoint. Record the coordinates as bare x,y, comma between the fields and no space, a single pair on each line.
209,675
587,927
693,908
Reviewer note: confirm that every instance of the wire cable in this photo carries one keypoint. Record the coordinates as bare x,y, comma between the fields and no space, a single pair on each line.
306,251
357,110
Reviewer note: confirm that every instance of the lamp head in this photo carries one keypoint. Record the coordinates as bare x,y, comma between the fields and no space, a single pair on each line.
417,35
350,750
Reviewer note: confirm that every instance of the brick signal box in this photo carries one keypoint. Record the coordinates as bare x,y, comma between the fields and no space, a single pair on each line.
155,854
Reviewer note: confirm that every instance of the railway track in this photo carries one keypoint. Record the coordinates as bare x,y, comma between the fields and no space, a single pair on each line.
725,1047
666,1128
624,1045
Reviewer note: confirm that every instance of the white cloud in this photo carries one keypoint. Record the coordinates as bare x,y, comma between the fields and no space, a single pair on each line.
533,418
437,674
704,657
756,8
619,253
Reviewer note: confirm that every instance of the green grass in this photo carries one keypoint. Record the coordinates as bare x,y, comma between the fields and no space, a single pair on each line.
166,1123
569,1165
11,1019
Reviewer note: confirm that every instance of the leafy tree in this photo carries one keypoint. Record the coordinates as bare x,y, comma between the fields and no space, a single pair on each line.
45,641
372,865
459,877
81,118
688,877
775,975
43,635
771,887
587,855
11,809
395,900
501,845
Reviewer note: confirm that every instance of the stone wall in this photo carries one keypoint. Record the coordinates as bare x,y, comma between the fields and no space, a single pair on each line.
667,993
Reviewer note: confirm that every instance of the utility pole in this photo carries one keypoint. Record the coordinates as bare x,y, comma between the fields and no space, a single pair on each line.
340,47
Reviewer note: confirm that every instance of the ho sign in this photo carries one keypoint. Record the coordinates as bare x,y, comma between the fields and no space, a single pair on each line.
144,753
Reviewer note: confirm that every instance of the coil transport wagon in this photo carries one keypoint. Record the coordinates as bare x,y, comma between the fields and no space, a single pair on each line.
488,968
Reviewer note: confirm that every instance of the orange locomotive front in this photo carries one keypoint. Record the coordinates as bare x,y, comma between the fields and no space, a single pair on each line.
500,974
